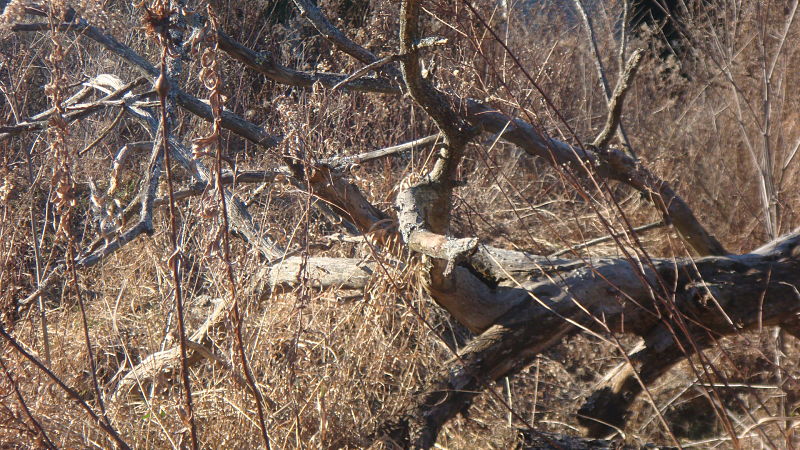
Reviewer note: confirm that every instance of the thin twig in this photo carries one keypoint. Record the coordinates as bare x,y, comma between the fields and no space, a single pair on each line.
361,158
419,45
46,442
363,71
77,97
600,240
162,88
230,121
104,133
38,262
70,392
64,182
216,109
312,12
81,112
85,325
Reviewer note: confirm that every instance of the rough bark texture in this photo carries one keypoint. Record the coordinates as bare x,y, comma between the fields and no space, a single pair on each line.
518,304
662,299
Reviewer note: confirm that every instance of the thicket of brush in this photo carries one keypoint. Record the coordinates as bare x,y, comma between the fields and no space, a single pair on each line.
716,114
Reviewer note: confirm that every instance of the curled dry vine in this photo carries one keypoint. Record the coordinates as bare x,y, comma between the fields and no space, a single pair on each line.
518,304
64,186
211,79
159,18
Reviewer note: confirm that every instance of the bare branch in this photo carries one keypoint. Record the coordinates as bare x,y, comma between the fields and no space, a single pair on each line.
311,12
265,63
456,130
601,73
542,440
119,160
424,43
343,273
81,111
425,206
364,70
230,121
613,120
239,216
45,440
71,393
343,161
600,240
103,134
754,289
79,96
320,272
625,169
146,197
612,164
330,185
609,163
168,360
607,408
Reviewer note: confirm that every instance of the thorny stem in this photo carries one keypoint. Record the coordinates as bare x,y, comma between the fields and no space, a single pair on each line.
162,88
237,319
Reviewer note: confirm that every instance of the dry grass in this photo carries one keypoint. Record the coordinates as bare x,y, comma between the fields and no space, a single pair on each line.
331,364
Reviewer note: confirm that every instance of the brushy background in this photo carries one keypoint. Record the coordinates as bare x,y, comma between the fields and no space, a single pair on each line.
334,364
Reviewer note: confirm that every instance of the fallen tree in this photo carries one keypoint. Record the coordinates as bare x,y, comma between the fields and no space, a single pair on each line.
518,304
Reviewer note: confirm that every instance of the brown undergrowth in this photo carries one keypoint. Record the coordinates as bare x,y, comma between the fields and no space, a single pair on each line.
333,364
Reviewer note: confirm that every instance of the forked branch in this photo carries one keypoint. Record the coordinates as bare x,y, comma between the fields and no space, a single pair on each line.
614,118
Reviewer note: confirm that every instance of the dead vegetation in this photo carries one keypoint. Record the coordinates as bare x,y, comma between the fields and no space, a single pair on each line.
524,274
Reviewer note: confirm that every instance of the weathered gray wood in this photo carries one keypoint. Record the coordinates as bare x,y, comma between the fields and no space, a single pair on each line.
344,273
690,298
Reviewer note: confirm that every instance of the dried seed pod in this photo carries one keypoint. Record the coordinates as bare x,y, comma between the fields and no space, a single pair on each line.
161,85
